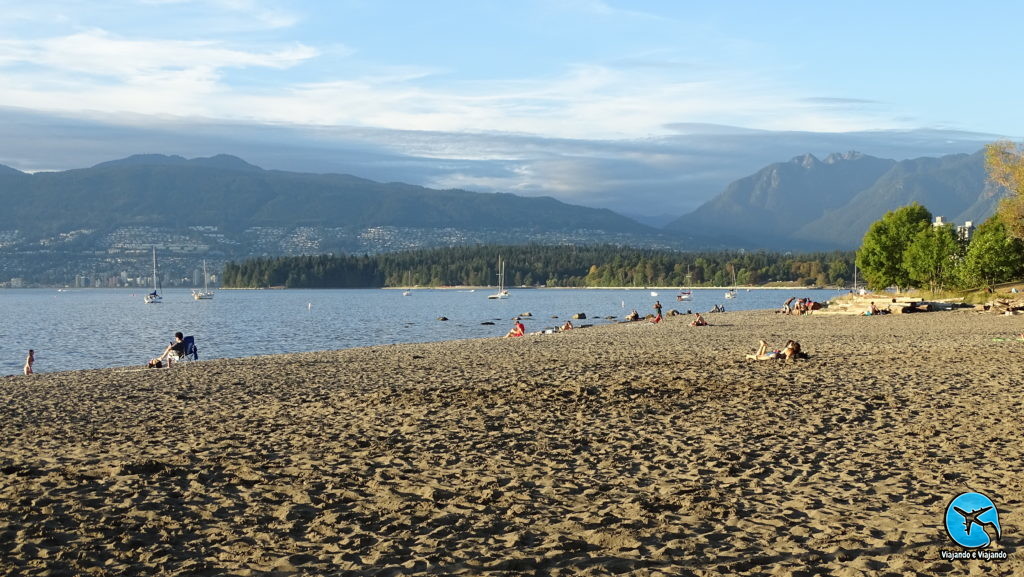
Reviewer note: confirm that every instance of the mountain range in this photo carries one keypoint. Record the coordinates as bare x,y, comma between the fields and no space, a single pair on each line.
808,203
230,194
224,208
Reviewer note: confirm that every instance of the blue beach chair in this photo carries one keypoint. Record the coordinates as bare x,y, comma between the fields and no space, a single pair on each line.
191,352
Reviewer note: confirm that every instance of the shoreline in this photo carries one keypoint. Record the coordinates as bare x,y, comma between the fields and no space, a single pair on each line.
630,448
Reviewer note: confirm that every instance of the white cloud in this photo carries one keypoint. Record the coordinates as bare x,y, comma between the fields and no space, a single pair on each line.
96,70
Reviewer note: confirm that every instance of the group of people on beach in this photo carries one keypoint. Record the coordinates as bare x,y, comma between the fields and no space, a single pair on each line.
801,306
518,329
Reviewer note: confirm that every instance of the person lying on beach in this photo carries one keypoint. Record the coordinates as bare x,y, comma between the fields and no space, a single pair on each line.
698,321
633,316
517,330
790,351
763,354
656,318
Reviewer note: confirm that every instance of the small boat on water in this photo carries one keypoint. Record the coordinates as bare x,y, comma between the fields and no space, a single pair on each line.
730,294
684,295
206,293
154,297
502,292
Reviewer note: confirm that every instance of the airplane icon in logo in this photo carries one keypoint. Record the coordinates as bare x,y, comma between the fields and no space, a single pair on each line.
972,519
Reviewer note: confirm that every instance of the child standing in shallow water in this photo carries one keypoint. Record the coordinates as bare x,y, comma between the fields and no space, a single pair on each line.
31,358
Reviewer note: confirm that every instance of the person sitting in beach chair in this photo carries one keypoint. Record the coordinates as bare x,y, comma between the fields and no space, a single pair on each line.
181,348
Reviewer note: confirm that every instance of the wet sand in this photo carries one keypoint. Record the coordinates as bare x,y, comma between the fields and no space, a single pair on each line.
633,449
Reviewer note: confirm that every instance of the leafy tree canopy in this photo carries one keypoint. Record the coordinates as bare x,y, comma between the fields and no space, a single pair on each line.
931,258
881,255
992,257
1005,162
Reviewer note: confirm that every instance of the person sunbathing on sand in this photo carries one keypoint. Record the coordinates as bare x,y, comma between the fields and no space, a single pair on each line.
791,350
763,354
698,321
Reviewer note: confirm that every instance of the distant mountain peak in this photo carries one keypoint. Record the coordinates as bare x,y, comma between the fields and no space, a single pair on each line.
225,161
830,204
807,161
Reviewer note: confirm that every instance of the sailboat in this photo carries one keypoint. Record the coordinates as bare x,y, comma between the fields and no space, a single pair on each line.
502,293
206,293
731,293
154,297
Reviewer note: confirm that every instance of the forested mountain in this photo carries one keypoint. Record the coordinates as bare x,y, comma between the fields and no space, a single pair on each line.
232,195
807,203
100,223
555,266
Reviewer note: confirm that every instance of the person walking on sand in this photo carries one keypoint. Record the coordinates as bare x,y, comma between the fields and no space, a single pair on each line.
657,309
31,358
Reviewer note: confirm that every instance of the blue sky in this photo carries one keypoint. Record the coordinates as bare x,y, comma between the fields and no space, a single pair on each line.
644,107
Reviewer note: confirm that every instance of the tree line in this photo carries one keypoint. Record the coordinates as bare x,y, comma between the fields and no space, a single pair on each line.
906,249
543,265
903,249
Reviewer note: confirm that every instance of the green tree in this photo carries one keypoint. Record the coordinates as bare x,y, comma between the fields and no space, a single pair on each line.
993,256
880,257
932,257
1005,163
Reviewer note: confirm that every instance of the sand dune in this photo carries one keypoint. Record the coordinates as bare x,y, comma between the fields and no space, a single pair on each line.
631,449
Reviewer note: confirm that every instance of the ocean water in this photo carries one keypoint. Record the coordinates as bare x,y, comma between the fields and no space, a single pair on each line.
100,328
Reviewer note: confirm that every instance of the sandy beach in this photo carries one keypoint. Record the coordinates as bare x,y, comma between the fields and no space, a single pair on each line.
634,449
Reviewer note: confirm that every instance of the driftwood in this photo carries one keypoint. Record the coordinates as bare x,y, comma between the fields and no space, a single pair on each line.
858,305
1005,305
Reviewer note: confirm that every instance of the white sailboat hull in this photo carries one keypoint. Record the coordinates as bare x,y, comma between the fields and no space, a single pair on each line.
206,293
502,291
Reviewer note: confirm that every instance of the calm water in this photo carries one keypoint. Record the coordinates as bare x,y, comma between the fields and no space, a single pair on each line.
97,328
